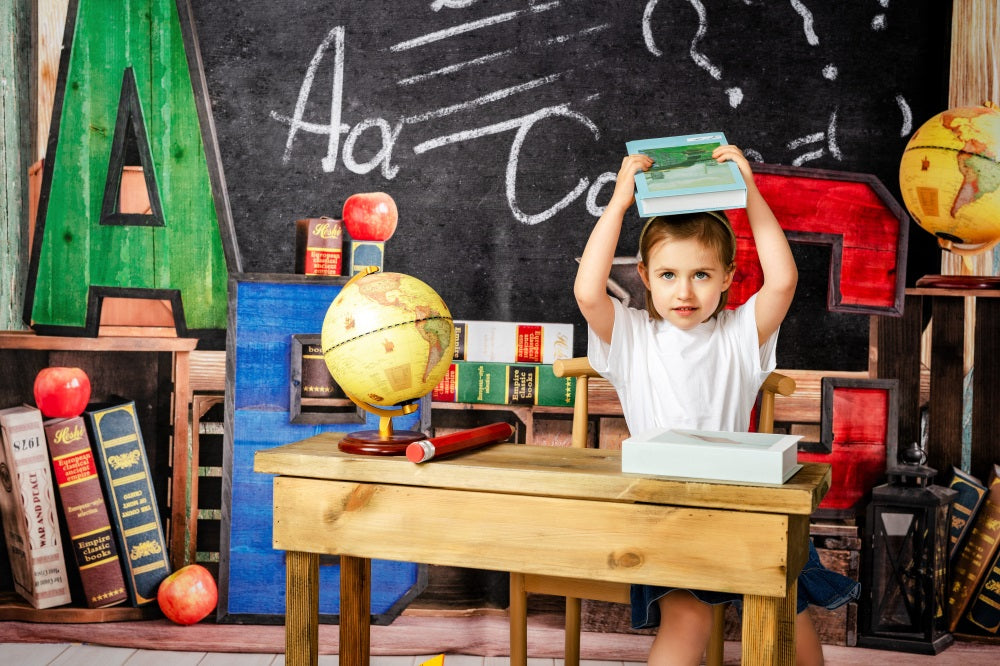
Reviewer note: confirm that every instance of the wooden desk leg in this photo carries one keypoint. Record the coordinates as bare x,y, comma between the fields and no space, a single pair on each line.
716,652
574,623
518,615
301,609
355,610
769,629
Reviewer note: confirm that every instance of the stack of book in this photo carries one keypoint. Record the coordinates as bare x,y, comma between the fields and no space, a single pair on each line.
974,595
99,488
508,363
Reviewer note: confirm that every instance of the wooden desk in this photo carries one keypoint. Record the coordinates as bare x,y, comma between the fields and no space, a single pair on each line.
537,510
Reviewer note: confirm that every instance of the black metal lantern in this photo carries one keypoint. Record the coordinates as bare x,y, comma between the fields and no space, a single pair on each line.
904,566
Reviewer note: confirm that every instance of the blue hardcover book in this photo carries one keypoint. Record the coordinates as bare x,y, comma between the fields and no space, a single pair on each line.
123,468
971,495
684,178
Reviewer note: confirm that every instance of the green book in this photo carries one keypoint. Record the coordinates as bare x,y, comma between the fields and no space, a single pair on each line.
685,178
505,384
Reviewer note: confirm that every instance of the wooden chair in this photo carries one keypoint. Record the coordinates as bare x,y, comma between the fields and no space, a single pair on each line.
575,589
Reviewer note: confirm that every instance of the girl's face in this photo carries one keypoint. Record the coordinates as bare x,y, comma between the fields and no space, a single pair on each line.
686,279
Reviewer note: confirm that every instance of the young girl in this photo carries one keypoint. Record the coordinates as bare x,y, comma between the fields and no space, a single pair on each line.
687,362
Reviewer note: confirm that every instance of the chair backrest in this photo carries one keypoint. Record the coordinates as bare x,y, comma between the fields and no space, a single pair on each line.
776,383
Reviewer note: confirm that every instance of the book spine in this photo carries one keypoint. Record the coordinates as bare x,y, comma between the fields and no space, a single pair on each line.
504,384
128,485
85,513
971,494
512,342
318,246
317,382
984,609
30,515
974,559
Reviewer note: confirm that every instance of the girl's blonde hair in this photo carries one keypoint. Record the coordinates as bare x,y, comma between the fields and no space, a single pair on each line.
710,228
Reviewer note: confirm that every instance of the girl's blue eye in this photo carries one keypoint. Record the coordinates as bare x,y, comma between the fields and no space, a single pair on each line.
668,275
701,275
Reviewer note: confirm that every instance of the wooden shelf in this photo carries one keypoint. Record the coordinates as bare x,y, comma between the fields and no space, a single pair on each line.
953,292
30,340
14,608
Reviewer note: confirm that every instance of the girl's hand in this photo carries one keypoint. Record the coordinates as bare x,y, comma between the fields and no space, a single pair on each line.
624,194
734,154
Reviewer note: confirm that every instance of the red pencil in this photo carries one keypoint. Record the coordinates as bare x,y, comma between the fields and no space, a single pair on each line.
436,447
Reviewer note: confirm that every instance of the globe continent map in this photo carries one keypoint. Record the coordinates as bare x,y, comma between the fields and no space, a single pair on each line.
388,338
949,177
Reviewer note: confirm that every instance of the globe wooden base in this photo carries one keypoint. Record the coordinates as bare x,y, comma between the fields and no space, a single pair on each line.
960,281
373,443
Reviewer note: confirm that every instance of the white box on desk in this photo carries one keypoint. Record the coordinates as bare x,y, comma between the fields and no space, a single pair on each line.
738,457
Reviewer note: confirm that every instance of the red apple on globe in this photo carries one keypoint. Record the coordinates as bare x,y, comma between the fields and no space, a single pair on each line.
61,393
370,216
188,595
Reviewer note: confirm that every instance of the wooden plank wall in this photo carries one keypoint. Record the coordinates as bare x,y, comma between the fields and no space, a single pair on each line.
974,78
51,25
15,119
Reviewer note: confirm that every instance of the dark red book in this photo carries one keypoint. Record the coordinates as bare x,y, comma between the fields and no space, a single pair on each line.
85,512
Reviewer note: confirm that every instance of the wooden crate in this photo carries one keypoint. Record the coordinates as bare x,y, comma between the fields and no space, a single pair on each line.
154,373
207,429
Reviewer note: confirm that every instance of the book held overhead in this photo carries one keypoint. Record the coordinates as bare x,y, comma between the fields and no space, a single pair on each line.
685,178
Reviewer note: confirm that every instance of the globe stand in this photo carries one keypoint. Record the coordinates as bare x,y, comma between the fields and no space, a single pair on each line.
965,280
384,441
959,281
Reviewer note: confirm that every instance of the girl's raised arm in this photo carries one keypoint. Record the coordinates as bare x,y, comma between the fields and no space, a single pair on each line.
590,288
776,261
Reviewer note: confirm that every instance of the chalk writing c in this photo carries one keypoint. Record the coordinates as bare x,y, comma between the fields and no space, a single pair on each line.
515,149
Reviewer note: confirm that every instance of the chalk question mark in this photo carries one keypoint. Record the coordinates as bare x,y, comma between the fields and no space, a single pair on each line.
735,94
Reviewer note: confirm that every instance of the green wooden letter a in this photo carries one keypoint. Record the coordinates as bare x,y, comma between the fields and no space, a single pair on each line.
132,200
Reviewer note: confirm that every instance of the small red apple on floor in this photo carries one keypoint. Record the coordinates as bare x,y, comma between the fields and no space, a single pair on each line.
370,216
62,393
188,595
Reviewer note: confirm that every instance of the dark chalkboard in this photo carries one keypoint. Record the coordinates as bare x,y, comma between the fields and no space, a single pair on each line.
497,126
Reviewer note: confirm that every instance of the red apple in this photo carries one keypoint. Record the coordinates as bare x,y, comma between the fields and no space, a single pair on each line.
370,216
188,595
62,393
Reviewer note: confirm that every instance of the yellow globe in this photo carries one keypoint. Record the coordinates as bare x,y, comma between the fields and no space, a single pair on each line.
949,177
387,338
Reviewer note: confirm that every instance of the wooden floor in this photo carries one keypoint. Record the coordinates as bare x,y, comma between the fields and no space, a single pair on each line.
70,654
408,641
77,654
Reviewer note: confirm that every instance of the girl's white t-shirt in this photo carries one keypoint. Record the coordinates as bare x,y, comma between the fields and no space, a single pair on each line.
706,378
